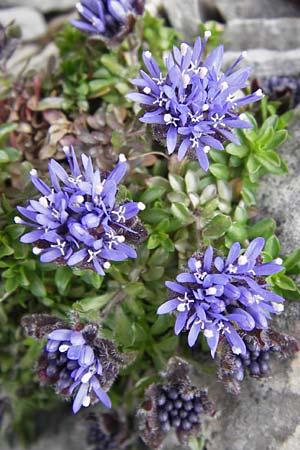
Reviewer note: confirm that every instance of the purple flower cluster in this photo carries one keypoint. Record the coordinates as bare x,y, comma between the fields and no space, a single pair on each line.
77,221
194,103
107,18
85,368
215,296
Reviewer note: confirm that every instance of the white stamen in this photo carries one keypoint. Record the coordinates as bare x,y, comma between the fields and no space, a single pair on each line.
232,268
36,250
147,90
224,86
92,254
198,264
236,350
120,239
167,117
17,219
206,148
244,54
186,79
205,107
242,260
63,348
79,7
122,157
148,54
106,265
141,206
203,72
243,116
184,48
259,93
98,188
278,261
79,198
279,307
87,376
43,201
208,333
66,148
86,401
207,34
211,291
33,172
257,298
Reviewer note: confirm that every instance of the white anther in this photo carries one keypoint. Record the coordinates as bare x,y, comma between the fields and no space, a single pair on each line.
242,260
208,333
106,265
86,401
205,107
63,348
211,291
236,350
79,198
207,34
259,93
186,79
203,72
36,250
244,54
232,268
206,148
278,307
167,117
147,90
43,201
120,239
66,148
33,172
87,376
141,206
184,48
18,219
148,54
278,261
224,86
198,264
122,157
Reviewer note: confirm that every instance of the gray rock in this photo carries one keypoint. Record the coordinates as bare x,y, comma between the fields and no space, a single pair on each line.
257,8
268,62
183,16
273,34
42,5
32,23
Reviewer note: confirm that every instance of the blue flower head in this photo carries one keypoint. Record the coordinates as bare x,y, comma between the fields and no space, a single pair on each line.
218,296
76,221
194,103
109,19
80,365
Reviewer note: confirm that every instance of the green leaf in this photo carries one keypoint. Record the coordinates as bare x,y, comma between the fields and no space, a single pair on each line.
36,286
182,213
285,283
123,331
95,303
272,246
279,138
264,228
153,215
217,227
152,194
237,150
220,171
176,182
62,278
7,128
237,232
153,274
292,260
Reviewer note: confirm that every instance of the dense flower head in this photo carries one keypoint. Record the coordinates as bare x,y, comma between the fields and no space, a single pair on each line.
193,101
111,19
76,221
218,296
80,365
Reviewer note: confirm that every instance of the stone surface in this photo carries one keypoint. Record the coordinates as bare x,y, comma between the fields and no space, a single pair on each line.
32,23
42,5
273,34
230,9
268,62
184,16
